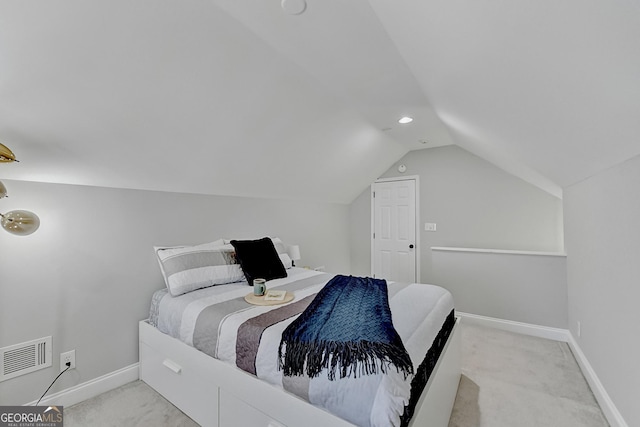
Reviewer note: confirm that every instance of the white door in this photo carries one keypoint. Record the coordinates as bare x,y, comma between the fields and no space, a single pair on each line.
394,231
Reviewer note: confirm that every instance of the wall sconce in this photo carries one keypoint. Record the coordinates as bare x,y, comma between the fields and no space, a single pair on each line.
18,222
6,155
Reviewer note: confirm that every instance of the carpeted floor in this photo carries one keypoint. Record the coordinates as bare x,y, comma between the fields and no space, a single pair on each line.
134,404
513,380
508,380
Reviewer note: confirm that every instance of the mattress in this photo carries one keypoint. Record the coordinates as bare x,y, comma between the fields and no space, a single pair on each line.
219,322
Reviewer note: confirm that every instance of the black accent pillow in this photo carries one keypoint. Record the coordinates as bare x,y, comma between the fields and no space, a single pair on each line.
259,259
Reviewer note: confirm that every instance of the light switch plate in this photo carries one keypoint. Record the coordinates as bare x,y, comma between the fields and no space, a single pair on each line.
429,226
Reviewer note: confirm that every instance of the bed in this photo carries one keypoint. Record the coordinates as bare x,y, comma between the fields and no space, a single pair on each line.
214,355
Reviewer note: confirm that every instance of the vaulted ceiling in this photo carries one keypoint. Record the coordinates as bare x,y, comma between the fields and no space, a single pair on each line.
240,97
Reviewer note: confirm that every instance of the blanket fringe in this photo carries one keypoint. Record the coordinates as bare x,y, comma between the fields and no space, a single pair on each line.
343,358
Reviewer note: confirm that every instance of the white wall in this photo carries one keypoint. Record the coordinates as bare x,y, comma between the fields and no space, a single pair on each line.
521,287
87,275
602,223
474,204
359,234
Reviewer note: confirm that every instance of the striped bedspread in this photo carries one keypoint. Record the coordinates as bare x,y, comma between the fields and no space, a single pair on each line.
219,322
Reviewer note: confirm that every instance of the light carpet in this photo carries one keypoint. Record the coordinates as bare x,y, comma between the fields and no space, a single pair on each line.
134,404
514,380
508,380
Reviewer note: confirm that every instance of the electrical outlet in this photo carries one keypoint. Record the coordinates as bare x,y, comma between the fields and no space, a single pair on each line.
67,357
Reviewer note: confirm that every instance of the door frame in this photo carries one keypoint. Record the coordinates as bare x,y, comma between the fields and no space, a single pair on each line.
415,178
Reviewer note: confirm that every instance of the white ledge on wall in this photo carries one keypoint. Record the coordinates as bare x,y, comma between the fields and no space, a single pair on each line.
496,251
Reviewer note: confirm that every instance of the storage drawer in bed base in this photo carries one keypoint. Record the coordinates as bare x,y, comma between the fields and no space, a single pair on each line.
174,374
198,385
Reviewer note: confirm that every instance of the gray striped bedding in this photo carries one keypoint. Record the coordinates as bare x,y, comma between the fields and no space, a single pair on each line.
219,322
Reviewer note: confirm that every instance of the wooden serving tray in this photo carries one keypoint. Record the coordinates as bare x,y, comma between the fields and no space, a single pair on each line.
256,300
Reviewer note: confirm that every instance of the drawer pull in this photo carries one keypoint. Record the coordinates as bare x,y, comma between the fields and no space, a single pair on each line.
172,365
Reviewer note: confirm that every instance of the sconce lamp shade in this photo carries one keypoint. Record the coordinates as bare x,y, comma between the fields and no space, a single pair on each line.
6,155
294,252
20,223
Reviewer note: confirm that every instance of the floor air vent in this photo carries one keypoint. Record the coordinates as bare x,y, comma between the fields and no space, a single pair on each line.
23,358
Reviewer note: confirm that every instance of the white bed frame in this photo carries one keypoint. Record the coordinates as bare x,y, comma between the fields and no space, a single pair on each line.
215,394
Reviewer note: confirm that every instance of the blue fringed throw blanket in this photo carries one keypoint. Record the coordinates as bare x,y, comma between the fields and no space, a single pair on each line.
346,328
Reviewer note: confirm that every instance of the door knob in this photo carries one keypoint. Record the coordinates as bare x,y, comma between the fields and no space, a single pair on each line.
410,246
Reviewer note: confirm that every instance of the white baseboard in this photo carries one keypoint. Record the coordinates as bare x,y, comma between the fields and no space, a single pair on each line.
547,332
89,389
606,404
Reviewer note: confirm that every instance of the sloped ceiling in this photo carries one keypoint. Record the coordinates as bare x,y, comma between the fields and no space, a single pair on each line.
237,97
543,87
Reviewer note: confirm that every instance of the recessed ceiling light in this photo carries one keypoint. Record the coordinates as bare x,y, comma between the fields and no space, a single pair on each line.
294,7
405,120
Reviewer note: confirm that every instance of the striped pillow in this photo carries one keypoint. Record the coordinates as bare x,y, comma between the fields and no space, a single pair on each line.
187,268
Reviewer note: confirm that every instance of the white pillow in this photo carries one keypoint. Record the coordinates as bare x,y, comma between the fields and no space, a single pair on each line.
286,260
280,248
187,268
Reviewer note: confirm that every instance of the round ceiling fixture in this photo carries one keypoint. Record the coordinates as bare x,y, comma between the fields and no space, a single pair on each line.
405,120
294,7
